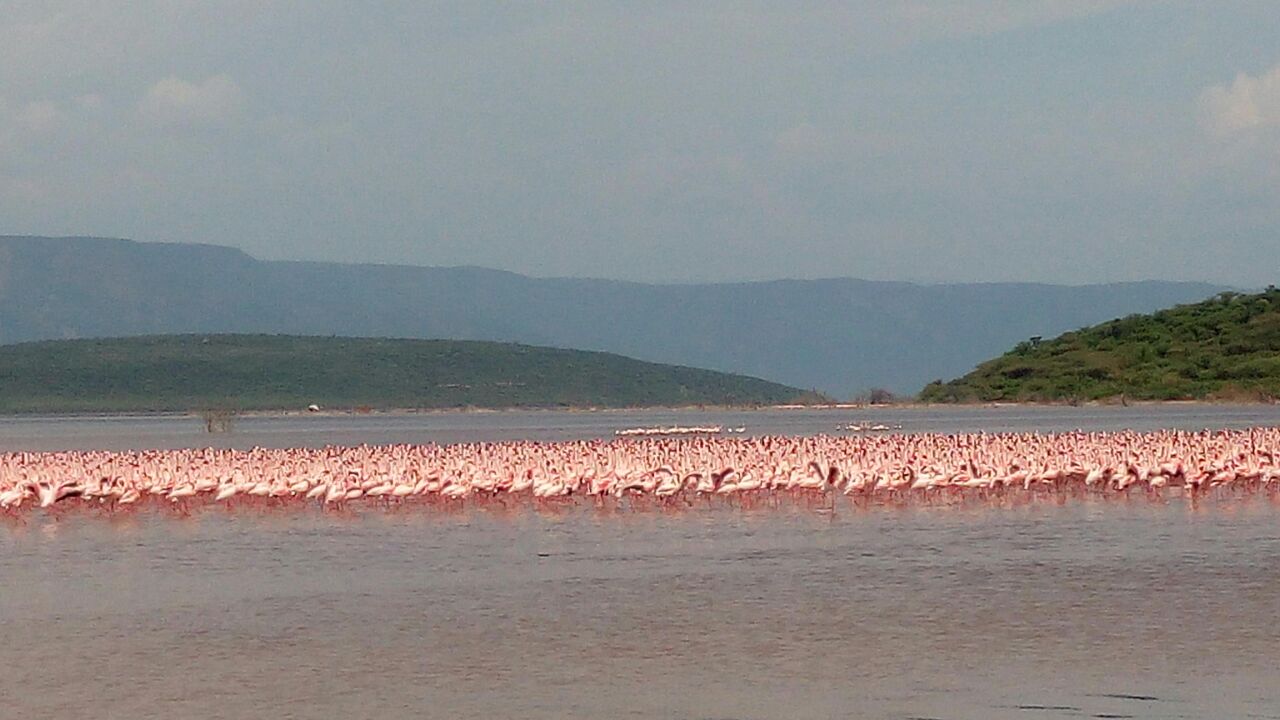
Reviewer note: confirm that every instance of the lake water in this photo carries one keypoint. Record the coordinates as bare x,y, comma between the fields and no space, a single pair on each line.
120,433
1092,609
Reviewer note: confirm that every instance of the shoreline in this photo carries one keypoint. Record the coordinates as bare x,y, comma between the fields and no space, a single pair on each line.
830,407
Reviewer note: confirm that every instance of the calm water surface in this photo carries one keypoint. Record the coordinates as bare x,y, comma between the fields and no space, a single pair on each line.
1093,609
118,433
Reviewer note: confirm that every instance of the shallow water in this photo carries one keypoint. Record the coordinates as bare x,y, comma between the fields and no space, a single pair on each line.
141,432
1092,609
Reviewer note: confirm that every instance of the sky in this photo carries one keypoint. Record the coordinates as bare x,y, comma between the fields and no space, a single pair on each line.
1066,141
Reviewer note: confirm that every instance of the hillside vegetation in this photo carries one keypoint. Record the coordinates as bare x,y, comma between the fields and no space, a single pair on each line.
842,336
1227,347
268,372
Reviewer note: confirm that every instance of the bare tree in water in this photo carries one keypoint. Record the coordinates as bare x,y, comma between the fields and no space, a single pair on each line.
218,420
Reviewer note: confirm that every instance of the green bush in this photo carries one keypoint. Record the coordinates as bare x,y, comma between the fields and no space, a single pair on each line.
1228,345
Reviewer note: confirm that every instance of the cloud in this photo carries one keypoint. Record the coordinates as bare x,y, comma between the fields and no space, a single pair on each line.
38,116
91,102
1248,102
174,102
583,138
989,17
804,139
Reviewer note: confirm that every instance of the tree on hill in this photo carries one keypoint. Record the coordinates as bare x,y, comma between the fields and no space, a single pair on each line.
1227,347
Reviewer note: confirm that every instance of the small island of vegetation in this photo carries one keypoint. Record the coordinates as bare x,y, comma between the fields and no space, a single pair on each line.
276,372
1225,348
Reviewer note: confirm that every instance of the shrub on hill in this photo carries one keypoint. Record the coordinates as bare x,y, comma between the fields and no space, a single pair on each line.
1227,347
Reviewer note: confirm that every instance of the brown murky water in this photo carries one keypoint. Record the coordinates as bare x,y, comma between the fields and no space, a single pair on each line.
1094,609
1088,610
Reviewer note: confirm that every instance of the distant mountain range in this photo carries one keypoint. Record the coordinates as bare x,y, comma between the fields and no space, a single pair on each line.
840,336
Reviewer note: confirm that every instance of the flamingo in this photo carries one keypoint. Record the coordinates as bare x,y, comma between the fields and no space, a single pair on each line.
904,467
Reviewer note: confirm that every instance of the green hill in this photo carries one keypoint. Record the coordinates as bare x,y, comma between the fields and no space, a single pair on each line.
1227,347
268,372
842,336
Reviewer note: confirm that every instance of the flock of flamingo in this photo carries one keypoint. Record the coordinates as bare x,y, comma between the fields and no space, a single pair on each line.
656,472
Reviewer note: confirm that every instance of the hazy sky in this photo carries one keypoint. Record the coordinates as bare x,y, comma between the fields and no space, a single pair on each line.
1052,140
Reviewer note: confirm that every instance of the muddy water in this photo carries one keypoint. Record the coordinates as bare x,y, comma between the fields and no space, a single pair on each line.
1101,609
1093,609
